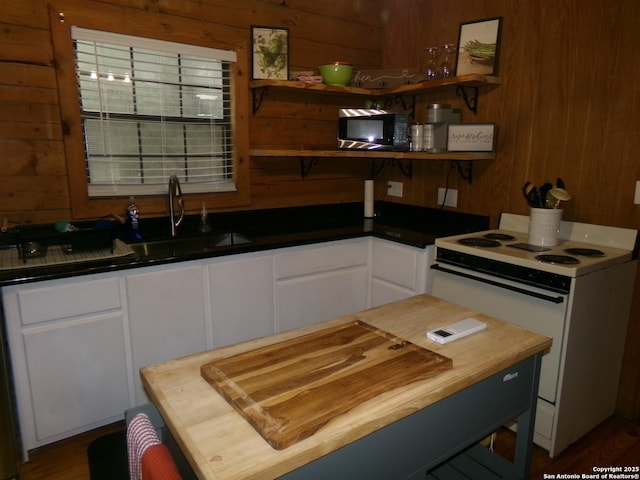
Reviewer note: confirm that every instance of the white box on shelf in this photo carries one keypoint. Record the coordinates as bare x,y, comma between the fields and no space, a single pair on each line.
471,137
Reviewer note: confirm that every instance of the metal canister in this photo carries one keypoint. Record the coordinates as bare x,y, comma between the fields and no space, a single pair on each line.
438,113
417,137
427,137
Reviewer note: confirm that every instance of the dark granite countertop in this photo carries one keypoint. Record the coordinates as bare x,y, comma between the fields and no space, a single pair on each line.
275,228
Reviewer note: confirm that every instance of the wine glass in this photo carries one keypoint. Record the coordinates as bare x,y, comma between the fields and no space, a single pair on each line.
431,69
446,64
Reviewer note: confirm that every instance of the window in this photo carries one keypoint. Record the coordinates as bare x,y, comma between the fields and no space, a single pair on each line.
150,109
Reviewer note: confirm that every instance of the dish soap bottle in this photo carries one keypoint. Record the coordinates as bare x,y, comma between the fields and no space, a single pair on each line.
133,221
204,225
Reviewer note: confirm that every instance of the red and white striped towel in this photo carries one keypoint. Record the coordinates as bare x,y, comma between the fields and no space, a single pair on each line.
149,459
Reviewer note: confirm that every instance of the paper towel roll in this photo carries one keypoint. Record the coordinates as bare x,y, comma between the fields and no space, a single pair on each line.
368,198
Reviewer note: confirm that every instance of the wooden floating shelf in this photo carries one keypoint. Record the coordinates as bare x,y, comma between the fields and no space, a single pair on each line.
471,80
404,160
305,153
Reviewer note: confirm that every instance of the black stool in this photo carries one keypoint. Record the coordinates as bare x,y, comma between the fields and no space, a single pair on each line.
108,458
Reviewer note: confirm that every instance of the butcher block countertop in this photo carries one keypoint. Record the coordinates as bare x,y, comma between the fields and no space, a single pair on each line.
221,443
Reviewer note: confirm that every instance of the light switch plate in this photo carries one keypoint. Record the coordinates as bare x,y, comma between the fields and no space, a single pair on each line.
394,189
636,197
452,197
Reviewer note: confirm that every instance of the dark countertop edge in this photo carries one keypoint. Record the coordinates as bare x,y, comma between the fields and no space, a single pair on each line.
413,226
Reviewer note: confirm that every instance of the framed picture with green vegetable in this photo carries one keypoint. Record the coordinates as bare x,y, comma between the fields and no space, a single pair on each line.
269,53
479,47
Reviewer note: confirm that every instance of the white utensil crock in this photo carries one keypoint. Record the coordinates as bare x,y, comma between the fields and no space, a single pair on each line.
544,226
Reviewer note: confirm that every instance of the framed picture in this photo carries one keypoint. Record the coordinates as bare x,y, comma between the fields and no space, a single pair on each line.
471,137
270,53
479,47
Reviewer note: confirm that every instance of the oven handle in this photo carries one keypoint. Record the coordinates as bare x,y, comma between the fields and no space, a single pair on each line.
541,296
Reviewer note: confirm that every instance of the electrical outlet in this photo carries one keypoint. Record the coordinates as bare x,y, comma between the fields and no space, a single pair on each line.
394,189
452,197
636,197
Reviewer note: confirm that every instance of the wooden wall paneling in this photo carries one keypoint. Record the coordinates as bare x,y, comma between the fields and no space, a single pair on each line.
319,30
565,108
557,114
36,192
27,157
317,35
128,20
365,12
27,14
33,174
24,44
628,402
305,57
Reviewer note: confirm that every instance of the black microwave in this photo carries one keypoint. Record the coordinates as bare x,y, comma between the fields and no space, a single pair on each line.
368,129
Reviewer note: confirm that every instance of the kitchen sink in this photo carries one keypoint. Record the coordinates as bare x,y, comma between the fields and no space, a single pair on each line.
173,247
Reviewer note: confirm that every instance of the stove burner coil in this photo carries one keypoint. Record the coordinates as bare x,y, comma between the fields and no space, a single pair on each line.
505,237
558,259
479,242
585,252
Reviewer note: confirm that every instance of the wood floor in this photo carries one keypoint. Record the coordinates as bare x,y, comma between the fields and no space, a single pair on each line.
613,443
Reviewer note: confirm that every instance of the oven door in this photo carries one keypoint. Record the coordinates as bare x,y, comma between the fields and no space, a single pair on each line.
533,308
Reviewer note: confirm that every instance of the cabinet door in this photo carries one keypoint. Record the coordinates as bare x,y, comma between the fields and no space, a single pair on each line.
317,283
398,271
305,301
77,374
166,317
242,299
68,356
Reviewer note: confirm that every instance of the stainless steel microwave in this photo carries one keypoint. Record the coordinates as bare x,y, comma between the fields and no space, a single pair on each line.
368,129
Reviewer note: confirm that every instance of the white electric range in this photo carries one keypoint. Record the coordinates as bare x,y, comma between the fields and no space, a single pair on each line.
577,292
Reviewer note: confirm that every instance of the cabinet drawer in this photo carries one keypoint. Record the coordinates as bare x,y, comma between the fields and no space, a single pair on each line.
315,259
61,300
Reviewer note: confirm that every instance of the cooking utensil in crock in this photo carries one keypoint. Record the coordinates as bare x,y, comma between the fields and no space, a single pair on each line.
531,194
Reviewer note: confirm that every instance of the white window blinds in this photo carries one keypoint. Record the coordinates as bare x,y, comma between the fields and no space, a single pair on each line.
151,109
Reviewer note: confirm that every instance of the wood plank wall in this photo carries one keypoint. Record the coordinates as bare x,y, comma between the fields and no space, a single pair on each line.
566,107
33,179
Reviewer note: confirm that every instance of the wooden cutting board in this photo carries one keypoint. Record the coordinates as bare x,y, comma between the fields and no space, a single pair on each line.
288,390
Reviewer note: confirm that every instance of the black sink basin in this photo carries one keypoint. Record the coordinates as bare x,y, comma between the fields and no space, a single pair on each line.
189,245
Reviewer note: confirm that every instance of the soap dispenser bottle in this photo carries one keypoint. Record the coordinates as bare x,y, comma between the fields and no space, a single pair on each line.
204,225
133,221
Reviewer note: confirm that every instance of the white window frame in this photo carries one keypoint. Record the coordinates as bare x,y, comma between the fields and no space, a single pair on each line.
111,190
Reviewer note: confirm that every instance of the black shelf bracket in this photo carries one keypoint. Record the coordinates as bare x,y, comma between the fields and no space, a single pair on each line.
470,101
258,95
406,166
376,167
306,165
465,173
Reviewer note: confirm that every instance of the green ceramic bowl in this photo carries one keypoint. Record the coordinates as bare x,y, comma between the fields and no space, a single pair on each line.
338,73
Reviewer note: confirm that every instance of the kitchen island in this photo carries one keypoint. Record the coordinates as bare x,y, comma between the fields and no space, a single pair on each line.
401,433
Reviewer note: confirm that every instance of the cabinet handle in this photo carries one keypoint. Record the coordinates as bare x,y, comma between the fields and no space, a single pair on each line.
512,288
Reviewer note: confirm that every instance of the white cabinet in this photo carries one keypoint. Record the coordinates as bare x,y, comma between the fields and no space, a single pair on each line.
68,350
320,282
77,344
398,271
167,317
241,297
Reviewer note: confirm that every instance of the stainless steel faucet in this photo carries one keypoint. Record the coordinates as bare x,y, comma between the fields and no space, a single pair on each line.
175,192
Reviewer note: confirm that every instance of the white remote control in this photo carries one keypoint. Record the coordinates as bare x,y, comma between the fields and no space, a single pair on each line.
456,330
